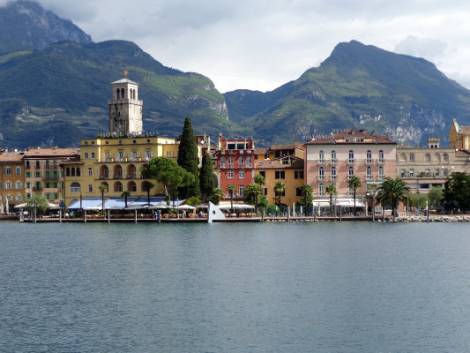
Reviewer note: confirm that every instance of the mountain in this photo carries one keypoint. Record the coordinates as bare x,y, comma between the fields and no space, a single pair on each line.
66,87
26,26
357,86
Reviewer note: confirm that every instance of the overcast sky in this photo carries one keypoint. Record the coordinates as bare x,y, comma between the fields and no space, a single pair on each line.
261,44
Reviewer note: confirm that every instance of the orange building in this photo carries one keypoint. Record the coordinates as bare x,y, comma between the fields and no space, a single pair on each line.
12,180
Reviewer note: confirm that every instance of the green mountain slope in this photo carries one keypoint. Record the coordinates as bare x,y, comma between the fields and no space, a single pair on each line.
357,86
67,86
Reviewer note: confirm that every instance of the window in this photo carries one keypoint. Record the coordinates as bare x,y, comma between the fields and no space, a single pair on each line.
248,162
369,156
445,172
38,165
263,174
369,173
428,157
412,157
131,172
333,156
28,165
437,172
333,173
351,156
299,192
148,155
86,155
120,155
321,173
265,191
90,171
242,190
19,185
446,157
321,190
90,188
241,174
280,174
134,155
75,187
37,174
7,171
230,174
298,174
222,162
381,172
230,163
321,156
92,155
118,186
403,157
381,156
411,173
438,157
427,172
402,173
350,172
131,186
7,185
18,170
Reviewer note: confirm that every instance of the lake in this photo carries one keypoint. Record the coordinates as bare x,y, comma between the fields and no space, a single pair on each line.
175,288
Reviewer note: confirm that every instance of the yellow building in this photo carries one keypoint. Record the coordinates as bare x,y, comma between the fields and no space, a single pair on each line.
289,171
459,136
116,163
12,180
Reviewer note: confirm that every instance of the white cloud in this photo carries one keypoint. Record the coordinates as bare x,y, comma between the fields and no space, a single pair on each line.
260,44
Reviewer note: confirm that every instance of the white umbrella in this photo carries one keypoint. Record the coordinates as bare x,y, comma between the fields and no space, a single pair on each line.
21,205
185,207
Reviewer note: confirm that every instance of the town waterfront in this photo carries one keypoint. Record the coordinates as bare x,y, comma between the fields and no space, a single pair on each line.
305,287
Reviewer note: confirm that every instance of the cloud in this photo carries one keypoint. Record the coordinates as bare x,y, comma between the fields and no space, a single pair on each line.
260,44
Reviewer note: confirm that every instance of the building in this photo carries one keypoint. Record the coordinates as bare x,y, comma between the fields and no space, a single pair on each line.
235,164
459,136
288,170
125,109
12,180
424,168
280,151
335,158
115,163
43,173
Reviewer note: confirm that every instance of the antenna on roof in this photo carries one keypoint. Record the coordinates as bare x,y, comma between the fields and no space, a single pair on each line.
125,73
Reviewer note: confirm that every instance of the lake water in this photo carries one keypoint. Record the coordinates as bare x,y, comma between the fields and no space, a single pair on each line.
343,287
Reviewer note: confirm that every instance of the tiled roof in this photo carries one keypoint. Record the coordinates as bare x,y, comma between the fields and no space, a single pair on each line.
52,152
278,163
285,147
11,157
465,130
350,137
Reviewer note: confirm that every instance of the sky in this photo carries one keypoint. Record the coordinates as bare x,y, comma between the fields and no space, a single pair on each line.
262,44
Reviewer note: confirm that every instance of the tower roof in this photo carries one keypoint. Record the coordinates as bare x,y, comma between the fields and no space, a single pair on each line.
125,80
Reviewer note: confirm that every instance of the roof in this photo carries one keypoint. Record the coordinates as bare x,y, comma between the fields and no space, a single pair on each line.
124,80
465,130
285,147
52,152
349,137
261,150
296,163
11,157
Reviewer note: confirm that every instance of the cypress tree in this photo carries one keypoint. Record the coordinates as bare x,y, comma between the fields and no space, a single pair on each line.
188,159
206,178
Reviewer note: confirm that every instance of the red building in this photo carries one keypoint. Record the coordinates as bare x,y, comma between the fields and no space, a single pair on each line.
235,163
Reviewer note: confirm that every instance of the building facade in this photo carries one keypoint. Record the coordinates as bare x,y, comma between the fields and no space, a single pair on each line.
115,163
235,164
425,168
289,171
335,158
12,180
43,172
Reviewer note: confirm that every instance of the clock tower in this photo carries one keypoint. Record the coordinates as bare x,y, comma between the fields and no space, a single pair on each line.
125,109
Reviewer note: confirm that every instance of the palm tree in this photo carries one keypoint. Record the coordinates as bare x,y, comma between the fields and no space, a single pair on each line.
103,188
279,190
392,192
231,190
148,187
354,183
331,190
125,195
259,179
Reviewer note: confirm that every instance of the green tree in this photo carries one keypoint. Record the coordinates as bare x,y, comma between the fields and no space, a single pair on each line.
252,194
354,183
392,192
417,200
279,190
231,191
103,188
170,174
331,191
435,197
216,196
188,159
206,177
259,180
307,198
38,202
457,192
125,195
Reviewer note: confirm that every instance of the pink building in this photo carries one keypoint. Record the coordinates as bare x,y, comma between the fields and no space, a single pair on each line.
337,157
